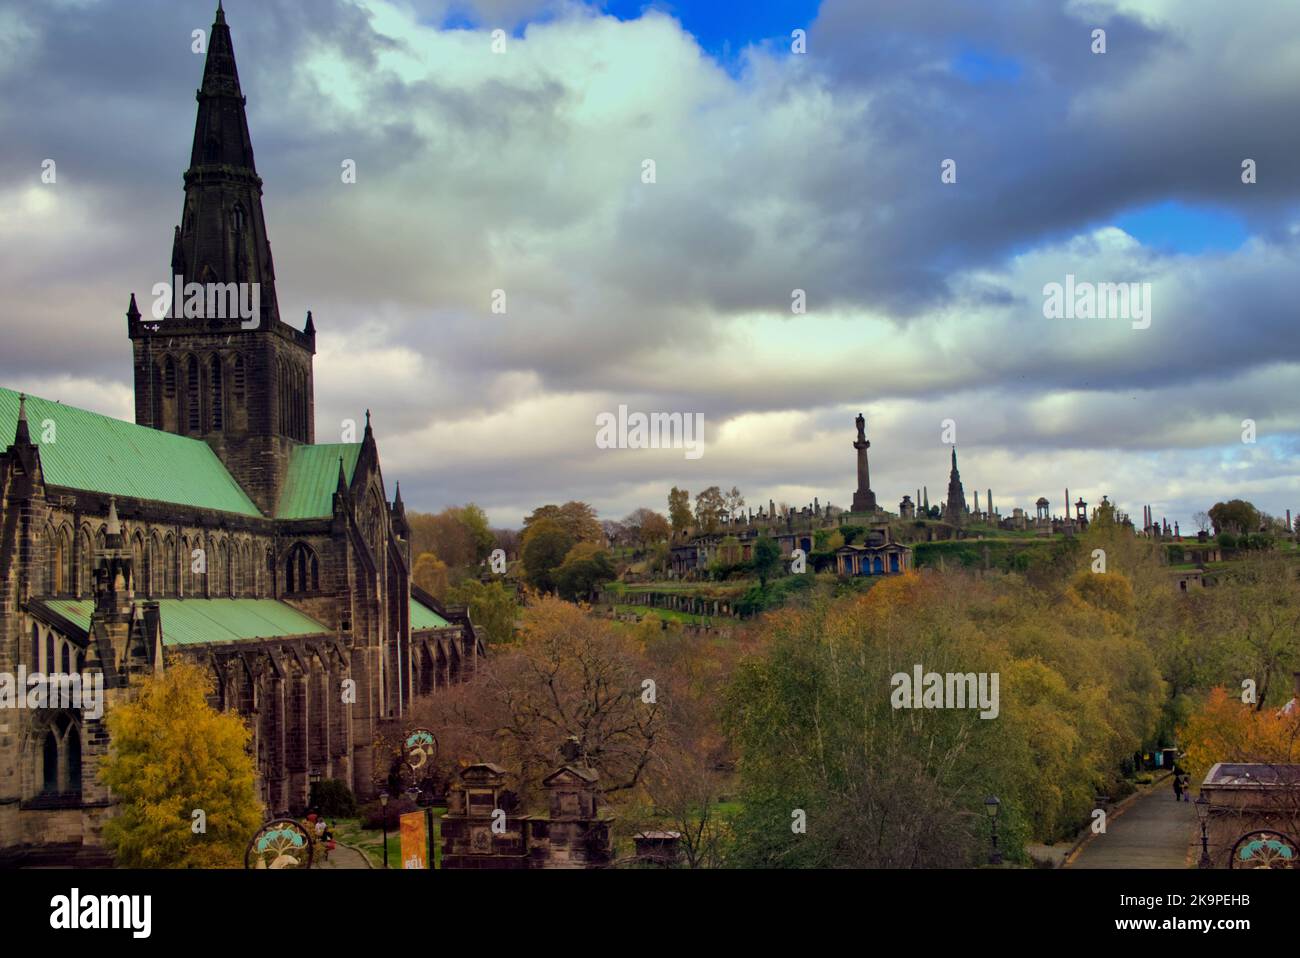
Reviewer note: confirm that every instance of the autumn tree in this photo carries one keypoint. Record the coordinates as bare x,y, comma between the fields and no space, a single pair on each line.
648,526
492,606
679,509
654,529
569,674
767,559
577,519
659,557
617,533
459,535
445,535
181,774
710,506
586,567
430,574
818,731
475,521
1257,609
546,543
1235,515
687,773
685,787
1224,729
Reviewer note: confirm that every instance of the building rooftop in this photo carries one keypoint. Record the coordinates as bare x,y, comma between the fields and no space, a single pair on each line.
313,477
97,453
1252,775
202,621
423,617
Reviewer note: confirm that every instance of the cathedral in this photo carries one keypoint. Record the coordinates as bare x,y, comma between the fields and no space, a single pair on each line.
214,528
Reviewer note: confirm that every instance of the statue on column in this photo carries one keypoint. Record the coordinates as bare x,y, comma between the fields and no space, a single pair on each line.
864,500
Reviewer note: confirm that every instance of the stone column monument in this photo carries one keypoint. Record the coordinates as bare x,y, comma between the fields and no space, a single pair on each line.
864,500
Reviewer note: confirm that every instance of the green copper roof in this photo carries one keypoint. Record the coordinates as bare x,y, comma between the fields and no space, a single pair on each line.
313,476
197,621
423,617
98,454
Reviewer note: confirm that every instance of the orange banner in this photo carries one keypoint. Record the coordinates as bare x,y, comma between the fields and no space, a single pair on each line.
415,842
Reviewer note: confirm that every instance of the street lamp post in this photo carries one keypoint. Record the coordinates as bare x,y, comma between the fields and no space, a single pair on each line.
1203,813
991,807
383,805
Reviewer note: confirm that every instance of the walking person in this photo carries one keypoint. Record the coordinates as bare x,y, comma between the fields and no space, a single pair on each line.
323,837
1178,786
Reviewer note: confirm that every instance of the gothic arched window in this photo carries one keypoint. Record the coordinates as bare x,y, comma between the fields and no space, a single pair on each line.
302,405
50,763
189,575
372,522
165,401
73,745
222,577
169,566
144,575
61,758
50,585
86,562
61,584
217,384
282,392
301,569
138,554
192,422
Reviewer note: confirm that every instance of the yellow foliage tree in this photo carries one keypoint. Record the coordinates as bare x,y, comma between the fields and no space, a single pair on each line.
1224,729
183,776
430,574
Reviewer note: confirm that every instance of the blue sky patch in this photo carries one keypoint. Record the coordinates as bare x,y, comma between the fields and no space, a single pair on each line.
1175,226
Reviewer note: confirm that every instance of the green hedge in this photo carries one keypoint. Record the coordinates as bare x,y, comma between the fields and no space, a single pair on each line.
1003,554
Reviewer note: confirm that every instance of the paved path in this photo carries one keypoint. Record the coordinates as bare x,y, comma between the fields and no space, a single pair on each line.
341,857
1152,832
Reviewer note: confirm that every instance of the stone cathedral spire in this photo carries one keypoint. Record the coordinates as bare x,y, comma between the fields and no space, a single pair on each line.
222,234
239,378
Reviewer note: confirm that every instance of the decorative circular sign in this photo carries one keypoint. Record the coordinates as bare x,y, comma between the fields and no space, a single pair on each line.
421,746
282,843
1264,849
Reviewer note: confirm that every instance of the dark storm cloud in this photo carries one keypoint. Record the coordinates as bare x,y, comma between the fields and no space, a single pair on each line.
818,172
1073,139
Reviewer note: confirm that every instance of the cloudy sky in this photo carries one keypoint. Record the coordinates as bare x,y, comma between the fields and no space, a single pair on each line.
775,171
